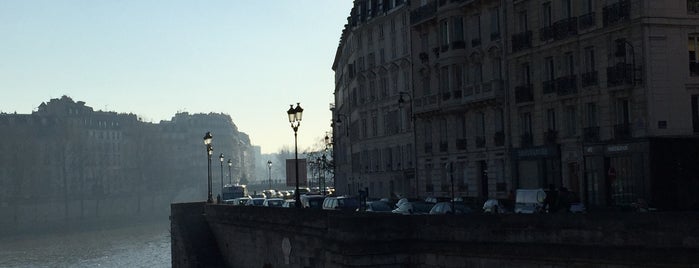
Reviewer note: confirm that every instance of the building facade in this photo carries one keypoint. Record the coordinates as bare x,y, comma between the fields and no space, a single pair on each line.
372,70
584,95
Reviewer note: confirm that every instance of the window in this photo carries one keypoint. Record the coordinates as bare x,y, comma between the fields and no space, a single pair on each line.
693,57
384,86
457,77
475,30
480,124
494,23
569,64
622,111
458,29
591,114
546,19
426,85
525,121
374,125
551,118
566,9
380,31
444,33
571,121
444,80
525,75
499,120
496,71
522,25
586,6
589,59
549,69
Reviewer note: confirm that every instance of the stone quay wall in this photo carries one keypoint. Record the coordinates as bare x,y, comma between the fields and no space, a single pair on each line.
234,236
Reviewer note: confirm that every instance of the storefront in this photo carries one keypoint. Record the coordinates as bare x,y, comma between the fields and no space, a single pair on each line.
537,167
616,174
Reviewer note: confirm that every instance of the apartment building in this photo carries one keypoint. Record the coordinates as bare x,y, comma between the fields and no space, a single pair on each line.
602,89
595,96
372,133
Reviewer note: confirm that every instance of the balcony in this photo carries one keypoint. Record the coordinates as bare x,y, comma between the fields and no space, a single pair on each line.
443,146
499,138
567,85
591,134
521,41
549,86
622,131
524,93
546,33
422,13
586,21
589,79
526,140
620,74
616,12
550,136
461,144
480,141
565,28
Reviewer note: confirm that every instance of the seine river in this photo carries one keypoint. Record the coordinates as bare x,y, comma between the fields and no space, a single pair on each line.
143,245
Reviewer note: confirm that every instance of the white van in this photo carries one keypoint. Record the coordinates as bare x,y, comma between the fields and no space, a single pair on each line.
530,201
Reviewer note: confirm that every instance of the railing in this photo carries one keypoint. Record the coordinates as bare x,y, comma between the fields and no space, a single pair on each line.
565,28
586,21
566,85
521,41
620,74
591,134
622,131
589,79
616,12
524,93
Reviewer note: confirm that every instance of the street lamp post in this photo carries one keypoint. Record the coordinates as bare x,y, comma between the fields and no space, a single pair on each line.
269,165
401,101
295,115
220,159
230,164
209,150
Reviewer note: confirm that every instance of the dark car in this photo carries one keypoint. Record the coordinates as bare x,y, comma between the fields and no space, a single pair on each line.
377,206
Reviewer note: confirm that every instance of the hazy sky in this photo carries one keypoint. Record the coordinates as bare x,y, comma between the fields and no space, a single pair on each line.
246,58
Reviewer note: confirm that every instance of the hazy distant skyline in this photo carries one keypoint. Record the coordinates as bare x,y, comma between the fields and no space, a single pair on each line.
246,58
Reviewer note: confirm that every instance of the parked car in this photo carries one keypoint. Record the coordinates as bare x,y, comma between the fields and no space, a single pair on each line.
240,201
312,201
497,206
255,201
530,201
377,206
289,203
341,203
445,208
273,202
405,207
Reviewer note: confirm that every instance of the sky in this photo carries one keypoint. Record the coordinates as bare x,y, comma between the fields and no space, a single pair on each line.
246,58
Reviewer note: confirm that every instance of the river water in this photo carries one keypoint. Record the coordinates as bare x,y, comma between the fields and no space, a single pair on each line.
141,245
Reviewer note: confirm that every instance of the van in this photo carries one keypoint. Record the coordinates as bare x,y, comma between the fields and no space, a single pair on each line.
530,201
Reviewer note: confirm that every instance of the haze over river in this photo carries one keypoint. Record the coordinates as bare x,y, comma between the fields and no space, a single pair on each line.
138,245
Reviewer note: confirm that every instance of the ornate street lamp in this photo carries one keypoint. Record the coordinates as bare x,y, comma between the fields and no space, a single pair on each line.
269,165
209,150
230,164
220,158
295,115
